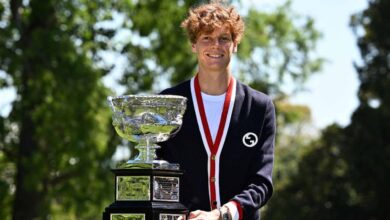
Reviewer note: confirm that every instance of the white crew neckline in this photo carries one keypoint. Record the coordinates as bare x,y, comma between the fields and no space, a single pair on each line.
213,98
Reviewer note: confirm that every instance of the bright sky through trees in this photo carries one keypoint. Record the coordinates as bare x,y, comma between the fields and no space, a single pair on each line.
331,94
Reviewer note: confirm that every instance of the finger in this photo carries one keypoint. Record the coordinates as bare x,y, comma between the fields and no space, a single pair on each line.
194,214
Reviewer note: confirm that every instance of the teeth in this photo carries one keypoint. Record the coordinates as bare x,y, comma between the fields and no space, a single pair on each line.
214,55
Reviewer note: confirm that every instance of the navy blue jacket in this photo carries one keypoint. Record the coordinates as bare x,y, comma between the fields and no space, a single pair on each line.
244,164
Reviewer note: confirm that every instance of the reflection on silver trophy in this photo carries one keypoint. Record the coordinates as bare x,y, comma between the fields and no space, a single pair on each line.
146,120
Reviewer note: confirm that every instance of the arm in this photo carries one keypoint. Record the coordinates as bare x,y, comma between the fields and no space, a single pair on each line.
259,189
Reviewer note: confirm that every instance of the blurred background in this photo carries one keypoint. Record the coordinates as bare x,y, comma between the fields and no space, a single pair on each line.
326,64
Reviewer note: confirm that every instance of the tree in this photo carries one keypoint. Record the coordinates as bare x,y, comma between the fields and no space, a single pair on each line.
278,47
344,175
367,139
54,142
319,188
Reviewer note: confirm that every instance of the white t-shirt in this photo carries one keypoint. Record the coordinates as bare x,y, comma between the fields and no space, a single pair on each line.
213,105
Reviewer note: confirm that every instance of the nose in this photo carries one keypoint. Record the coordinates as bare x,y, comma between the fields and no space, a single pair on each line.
215,42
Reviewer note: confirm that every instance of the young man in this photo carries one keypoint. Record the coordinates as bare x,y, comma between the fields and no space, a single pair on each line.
226,143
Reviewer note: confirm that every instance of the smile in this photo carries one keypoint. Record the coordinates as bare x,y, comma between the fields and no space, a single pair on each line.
214,55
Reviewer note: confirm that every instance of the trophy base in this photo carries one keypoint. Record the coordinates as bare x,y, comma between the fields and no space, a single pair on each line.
154,164
145,211
146,194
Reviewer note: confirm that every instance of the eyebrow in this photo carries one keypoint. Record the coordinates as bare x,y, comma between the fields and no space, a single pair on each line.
223,34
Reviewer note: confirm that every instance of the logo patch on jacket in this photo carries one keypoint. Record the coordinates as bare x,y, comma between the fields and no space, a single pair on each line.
250,139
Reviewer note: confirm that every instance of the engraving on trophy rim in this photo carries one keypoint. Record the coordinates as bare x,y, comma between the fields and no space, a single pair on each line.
127,216
166,188
132,188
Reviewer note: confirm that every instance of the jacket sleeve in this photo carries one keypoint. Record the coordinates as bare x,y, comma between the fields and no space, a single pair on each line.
259,187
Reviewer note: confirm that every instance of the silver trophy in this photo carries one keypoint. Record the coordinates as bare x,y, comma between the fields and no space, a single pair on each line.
146,188
147,120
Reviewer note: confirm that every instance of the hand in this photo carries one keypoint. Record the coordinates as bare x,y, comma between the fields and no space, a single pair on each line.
203,215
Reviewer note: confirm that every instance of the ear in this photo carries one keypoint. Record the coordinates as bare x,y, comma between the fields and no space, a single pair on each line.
193,48
235,48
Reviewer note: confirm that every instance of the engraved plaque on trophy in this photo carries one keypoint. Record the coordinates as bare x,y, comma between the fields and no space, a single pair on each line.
146,188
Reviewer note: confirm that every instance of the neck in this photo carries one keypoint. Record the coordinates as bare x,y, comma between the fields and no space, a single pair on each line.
214,84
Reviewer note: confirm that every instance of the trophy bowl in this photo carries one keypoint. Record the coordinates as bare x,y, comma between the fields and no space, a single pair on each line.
147,120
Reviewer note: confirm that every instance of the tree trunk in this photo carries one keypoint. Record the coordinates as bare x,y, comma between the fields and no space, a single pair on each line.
29,184
30,174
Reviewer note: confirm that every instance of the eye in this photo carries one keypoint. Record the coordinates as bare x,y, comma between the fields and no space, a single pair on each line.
225,39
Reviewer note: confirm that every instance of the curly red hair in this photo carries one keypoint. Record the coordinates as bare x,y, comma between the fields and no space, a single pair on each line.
206,18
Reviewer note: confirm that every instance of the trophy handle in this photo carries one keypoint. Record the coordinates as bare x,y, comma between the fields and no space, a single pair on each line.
176,130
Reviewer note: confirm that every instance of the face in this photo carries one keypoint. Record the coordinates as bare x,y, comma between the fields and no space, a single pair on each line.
214,50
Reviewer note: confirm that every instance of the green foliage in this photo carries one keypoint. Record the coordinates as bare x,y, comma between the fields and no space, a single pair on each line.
293,122
344,174
166,51
278,48
319,188
55,140
368,142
